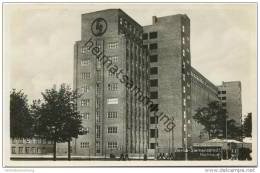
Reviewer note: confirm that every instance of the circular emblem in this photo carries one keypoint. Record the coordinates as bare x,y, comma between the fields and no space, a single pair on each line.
99,26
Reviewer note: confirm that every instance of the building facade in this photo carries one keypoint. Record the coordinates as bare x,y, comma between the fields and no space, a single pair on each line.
115,121
230,96
202,93
168,42
30,147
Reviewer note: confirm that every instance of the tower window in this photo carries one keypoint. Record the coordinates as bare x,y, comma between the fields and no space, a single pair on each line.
154,58
145,36
153,35
153,133
183,28
112,130
153,46
153,70
154,95
154,82
113,45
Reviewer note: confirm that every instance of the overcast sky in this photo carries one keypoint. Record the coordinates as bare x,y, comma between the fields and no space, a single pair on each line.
39,42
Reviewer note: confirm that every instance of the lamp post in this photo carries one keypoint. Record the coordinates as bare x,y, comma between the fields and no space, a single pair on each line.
226,138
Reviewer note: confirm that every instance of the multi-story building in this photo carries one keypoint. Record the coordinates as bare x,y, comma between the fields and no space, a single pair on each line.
115,121
202,93
168,41
34,146
230,96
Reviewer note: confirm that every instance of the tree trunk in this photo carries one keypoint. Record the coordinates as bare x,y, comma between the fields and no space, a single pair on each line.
69,155
54,150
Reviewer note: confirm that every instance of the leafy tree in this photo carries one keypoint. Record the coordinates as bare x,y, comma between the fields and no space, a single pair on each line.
57,118
247,125
21,122
212,117
215,122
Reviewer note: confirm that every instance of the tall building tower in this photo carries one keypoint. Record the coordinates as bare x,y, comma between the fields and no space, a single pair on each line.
115,121
230,95
168,41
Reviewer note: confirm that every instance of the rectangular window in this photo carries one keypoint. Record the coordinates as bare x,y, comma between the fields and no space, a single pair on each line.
153,35
27,150
84,145
33,150
154,107
184,89
83,50
145,46
98,118
112,101
152,145
153,46
154,120
112,130
13,150
223,98
154,58
84,102
112,145
153,133
145,36
98,88
121,21
183,52
183,77
20,150
183,28
112,86
184,102
153,70
85,89
85,75
154,95
183,40
98,131
99,76
114,59
85,62
184,114
223,92
85,115
112,115
113,45
224,104
154,82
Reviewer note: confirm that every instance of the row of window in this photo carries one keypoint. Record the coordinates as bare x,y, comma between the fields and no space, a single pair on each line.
152,46
222,92
85,115
85,102
85,62
30,141
124,23
112,130
110,145
28,150
111,45
152,35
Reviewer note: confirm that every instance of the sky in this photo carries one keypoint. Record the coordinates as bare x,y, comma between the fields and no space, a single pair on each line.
39,39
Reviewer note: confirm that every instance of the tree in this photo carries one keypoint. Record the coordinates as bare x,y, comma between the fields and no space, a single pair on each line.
21,122
57,116
247,126
215,122
212,117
